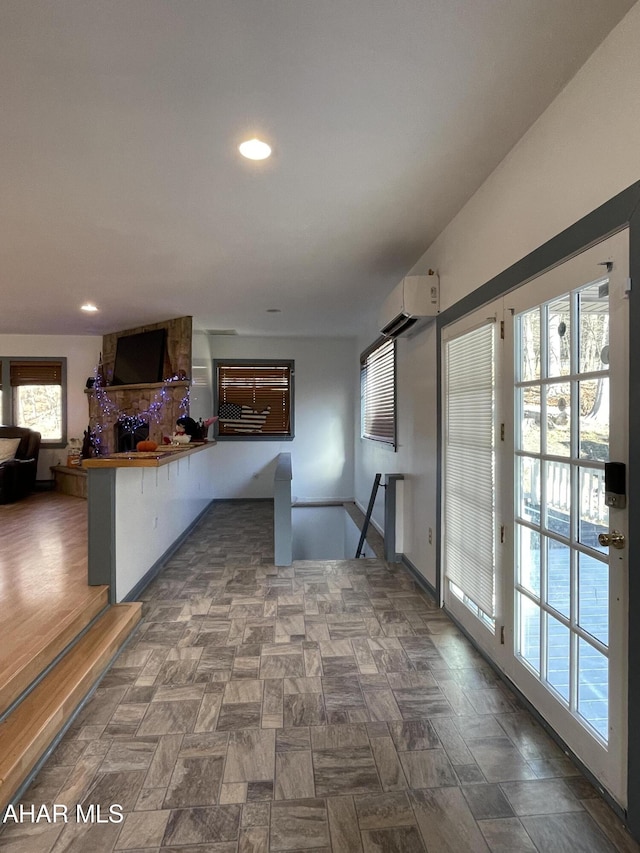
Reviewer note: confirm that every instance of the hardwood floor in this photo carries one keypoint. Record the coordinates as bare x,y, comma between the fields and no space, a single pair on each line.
44,595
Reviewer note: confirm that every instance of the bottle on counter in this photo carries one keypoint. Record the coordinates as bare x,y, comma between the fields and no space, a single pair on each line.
74,453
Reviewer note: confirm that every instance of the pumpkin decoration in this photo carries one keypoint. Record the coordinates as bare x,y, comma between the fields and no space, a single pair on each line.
148,446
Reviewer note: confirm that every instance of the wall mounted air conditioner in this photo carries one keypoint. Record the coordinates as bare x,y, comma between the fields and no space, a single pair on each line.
410,305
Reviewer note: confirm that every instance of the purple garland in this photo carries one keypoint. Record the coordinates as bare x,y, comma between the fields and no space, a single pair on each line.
131,422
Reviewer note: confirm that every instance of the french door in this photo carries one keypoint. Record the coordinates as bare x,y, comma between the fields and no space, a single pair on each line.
559,621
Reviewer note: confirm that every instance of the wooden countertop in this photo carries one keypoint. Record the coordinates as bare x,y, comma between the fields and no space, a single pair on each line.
164,455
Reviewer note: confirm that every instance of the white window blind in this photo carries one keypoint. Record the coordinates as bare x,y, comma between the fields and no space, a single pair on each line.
378,392
469,477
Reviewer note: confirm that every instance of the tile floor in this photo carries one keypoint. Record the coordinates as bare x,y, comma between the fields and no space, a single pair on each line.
324,707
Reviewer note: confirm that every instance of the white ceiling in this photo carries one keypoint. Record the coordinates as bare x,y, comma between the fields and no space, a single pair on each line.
120,177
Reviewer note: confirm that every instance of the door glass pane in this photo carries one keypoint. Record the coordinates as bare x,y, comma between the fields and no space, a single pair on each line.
529,633
594,513
558,348
594,327
594,419
559,576
558,656
593,687
559,419
529,471
529,324
558,503
593,596
528,419
529,563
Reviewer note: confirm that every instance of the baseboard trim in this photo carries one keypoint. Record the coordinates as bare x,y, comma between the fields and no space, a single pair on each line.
318,502
159,564
419,577
238,500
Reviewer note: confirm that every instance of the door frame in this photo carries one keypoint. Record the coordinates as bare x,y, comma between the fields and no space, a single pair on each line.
622,211
569,276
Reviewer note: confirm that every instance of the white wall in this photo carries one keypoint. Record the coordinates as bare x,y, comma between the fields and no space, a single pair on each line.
82,353
154,506
581,152
322,450
415,456
325,533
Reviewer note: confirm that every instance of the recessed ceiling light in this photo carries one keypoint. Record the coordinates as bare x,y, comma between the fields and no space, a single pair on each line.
89,307
255,149
274,311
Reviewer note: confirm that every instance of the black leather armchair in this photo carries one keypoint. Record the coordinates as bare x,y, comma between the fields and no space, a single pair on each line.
18,476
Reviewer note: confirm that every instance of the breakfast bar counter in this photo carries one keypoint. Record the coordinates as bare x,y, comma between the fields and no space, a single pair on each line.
165,454
141,507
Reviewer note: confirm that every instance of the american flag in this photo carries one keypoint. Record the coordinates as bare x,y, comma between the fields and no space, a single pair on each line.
242,418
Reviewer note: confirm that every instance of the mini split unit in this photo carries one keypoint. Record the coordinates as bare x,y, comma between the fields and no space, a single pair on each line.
411,304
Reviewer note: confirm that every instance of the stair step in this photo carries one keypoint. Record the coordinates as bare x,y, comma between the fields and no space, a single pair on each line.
34,723
31,656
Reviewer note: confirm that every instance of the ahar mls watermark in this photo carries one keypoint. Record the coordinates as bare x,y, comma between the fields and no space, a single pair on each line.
59,813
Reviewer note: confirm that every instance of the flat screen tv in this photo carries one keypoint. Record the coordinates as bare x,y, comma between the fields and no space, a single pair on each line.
139,358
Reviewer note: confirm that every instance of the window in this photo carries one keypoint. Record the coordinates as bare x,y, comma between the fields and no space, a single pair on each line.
378,391
254,399
33,395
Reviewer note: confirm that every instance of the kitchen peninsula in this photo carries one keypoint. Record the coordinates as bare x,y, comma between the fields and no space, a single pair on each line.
141,507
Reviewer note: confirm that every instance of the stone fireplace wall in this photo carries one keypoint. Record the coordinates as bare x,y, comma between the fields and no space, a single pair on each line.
132,400
107,406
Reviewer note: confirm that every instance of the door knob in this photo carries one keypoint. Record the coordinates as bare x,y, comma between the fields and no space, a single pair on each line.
615,539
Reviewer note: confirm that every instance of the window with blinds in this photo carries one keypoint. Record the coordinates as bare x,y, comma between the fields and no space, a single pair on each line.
469,467
35,373
378,391
254,399
34,396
